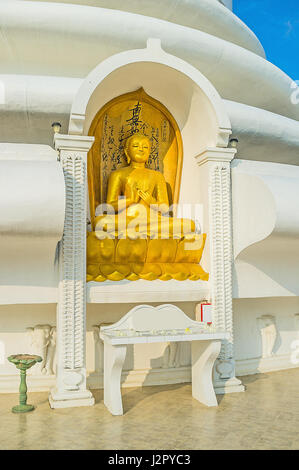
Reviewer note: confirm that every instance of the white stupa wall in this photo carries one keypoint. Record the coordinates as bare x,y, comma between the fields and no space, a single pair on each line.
145,361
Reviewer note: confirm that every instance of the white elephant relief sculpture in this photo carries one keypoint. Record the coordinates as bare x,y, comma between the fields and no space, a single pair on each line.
268,331
176,354
42,339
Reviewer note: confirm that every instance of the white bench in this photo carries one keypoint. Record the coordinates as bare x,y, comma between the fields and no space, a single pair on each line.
166,323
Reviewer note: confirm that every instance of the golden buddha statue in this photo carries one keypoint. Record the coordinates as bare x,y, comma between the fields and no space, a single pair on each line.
135,237
139,198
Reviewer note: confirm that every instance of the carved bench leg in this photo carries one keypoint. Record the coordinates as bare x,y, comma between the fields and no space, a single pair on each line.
114,357
204,354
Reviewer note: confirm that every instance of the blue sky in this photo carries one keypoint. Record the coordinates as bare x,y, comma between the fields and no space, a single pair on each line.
276,24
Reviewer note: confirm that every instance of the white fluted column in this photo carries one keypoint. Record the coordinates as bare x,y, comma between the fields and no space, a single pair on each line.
216,184
71,311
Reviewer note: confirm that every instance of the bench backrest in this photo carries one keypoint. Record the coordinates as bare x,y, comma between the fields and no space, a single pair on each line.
147,318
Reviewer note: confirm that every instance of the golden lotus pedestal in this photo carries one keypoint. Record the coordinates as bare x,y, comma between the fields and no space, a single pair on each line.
149,259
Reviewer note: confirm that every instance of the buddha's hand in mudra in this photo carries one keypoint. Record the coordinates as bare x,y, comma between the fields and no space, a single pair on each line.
132,196
146,197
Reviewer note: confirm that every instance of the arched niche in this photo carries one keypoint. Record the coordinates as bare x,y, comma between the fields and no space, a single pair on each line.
188,96
192,100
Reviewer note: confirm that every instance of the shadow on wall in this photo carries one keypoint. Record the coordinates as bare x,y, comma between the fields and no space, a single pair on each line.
266,334
276,267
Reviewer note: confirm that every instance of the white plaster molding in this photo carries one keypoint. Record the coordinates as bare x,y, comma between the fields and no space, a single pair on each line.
223,137
27,152
74,143
142,377
78,123
12,295
216,155
268,330
143,291
258,365
162,376
10,383
71,328
228,385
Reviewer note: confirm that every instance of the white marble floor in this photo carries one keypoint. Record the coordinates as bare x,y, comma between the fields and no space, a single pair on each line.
266,416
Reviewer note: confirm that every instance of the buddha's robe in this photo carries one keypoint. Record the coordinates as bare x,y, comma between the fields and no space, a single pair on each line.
134,217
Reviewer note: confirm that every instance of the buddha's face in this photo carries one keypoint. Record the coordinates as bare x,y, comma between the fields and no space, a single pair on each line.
138,149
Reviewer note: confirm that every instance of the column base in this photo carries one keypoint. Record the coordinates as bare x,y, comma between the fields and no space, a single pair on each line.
232,385
70,399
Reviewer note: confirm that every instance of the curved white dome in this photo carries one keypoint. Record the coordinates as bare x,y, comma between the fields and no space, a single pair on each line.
209,16
47,48
69,40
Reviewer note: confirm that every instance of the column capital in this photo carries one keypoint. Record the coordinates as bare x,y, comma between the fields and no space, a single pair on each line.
79,143
216,155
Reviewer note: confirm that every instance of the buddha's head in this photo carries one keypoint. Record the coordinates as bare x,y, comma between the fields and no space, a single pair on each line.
137,148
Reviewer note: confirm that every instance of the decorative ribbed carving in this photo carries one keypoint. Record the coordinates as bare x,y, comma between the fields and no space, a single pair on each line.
71,311
73,265
222,253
